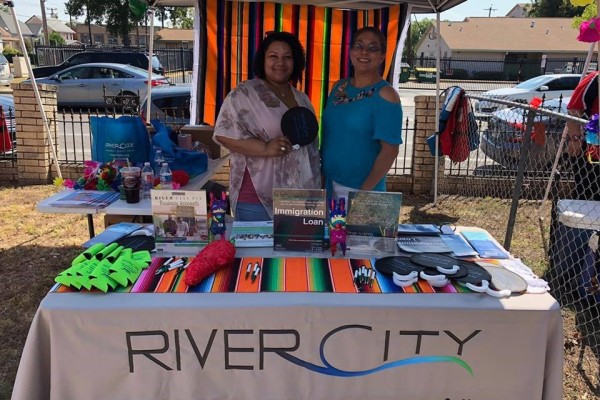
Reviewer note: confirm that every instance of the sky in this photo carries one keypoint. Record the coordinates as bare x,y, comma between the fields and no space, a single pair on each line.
470,8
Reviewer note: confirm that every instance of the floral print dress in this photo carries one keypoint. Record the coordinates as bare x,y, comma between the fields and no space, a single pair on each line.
252,110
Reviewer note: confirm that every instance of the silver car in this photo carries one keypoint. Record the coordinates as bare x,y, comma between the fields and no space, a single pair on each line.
170,104
503,139
88,84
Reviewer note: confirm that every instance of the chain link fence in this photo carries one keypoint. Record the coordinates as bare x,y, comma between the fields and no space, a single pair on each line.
504,187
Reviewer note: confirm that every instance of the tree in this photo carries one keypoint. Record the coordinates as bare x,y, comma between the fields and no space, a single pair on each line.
56,40
416,32
552,8
586,14
119,19
179,16
94,10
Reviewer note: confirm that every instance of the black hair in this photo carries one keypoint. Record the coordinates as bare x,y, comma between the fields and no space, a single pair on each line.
297,54
373,30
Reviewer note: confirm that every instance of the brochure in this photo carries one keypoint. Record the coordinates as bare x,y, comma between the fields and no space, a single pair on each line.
252,233
418,229
373,213
299,218
113,233
459,246
422,244
87,198
484,244
180,221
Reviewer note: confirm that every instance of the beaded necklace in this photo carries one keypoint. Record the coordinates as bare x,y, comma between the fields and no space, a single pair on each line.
342,98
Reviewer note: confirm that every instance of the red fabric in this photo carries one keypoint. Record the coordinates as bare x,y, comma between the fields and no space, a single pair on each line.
247,190
585,95
215,256
5,140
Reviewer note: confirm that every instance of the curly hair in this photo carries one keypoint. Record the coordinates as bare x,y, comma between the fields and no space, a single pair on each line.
297,54
373,30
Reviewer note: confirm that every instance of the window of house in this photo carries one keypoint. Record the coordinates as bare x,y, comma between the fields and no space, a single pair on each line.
99,39
112,39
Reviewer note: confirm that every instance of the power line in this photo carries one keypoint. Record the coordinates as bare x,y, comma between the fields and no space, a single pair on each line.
490,10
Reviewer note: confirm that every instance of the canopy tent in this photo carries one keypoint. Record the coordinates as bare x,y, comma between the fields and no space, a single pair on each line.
214,50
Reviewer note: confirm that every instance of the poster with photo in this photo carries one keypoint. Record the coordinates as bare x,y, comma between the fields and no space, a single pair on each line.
373,213
180,221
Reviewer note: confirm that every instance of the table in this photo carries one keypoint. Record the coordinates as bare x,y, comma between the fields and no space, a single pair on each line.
121,207
292,346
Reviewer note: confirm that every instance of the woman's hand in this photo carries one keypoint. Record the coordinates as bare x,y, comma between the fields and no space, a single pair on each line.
278,147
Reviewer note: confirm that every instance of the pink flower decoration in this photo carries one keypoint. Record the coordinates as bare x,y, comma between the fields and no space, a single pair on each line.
176,185
588,31
69,183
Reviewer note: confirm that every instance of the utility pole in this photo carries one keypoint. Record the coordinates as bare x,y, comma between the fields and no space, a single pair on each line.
44,23
53,14
490,10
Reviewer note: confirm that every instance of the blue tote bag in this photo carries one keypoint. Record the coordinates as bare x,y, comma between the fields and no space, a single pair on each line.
120,138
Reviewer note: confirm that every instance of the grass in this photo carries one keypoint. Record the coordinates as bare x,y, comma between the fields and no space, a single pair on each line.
34,247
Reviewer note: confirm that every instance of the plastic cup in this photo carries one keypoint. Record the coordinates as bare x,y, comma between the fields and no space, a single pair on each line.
184,140
132,195
130,177
121,192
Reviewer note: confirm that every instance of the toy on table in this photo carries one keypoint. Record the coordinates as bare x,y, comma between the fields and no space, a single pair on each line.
337,225
215,256
218,208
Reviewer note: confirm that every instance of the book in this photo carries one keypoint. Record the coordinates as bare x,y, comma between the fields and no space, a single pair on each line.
113,233
485,245
86,198
299,218
422,244
180,221
373,213
252,233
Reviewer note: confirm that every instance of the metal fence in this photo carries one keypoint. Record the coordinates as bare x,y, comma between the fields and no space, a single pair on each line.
509,176
403,163
484,74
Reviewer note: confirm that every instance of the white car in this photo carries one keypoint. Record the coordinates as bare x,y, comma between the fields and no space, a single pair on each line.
547,87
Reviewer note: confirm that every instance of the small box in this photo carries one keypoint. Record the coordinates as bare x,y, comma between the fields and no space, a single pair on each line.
572,273
204,134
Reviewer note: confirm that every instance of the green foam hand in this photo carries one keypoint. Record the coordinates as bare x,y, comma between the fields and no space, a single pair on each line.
68,276
88,254
106,251
82,276
99,278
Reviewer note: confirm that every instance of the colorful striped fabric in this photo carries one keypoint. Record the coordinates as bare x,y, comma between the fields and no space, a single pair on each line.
335,275
234,31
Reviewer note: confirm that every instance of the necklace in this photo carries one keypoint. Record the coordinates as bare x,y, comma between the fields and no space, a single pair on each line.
289,101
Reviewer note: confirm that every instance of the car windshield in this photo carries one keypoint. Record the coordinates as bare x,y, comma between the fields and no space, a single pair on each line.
533,83
155,62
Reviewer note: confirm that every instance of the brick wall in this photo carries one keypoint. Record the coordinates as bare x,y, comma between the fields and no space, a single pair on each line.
34,155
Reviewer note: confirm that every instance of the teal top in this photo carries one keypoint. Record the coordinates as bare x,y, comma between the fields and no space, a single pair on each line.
354,122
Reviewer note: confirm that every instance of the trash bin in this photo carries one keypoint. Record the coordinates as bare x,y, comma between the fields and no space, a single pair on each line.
573,273
425,74
404,73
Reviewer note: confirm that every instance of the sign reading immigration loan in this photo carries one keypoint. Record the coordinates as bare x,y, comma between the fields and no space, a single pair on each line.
299,218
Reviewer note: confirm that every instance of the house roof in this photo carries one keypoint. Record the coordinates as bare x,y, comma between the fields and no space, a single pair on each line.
55,25
175,35
512,34
6,22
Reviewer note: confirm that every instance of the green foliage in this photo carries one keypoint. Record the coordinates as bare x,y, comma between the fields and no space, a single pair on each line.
11,51
588,13
552,8
56,40
417,30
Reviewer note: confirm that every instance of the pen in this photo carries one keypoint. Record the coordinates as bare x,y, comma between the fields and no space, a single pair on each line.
255,274
356,276
248,270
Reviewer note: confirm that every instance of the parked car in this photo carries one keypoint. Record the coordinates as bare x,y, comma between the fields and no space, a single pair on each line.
6,76
169,104
85,85
503,139
135,59
547,86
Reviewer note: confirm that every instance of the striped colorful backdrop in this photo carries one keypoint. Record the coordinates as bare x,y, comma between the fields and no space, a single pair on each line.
234,31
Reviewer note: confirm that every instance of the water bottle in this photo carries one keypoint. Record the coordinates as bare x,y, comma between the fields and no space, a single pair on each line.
166,177
147,180
158,161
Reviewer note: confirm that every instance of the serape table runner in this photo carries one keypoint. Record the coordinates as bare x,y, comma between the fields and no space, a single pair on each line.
293,274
